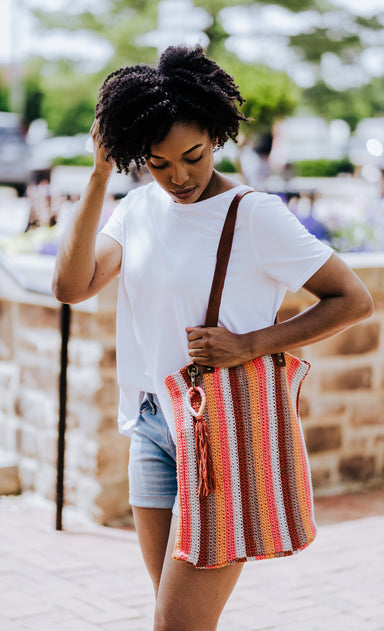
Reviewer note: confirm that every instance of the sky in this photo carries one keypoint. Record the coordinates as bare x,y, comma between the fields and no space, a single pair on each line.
17,38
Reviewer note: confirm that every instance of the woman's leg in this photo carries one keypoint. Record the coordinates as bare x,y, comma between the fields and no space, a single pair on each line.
152,527
191,599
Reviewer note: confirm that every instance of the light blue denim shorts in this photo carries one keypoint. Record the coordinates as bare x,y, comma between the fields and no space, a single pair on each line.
152,459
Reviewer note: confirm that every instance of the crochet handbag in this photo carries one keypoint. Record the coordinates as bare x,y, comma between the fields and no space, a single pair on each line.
243,473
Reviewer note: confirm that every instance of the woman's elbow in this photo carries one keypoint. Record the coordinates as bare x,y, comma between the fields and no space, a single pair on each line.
369,306
363,306
64,294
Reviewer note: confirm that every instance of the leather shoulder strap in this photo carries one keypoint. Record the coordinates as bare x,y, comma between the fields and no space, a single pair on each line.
222,258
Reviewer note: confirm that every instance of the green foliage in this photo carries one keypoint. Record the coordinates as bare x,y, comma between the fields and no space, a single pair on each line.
69,103
4,97
296,5
316,43
69,97
34,95
76,161
215,6
217,37
351,105
226,166
269,94
322,168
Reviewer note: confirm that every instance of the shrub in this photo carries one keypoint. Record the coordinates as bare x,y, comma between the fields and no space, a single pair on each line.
76,161
322,168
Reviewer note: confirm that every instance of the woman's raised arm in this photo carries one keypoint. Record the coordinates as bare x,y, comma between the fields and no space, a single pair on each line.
86,262
343,300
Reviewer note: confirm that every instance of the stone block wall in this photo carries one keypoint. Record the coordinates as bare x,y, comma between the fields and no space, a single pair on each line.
96,455
342,400
342,403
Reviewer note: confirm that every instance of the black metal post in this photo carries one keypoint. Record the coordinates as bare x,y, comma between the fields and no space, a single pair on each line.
65,327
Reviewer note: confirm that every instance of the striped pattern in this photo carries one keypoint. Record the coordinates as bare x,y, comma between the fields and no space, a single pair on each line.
262,506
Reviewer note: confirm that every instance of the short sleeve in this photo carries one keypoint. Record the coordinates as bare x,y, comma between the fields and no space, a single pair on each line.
285,249
114,225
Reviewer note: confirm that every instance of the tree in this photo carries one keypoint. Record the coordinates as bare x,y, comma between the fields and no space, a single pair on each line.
269,93
33,93
63,94
69,103
351,105
4,96
339,36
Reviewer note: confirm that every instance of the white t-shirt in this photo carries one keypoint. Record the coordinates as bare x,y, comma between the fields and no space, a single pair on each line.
169,256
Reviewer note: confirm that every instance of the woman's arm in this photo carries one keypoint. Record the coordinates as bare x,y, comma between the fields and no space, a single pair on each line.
343,301
86,262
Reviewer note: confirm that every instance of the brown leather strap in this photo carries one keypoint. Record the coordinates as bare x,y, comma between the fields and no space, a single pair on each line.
222,258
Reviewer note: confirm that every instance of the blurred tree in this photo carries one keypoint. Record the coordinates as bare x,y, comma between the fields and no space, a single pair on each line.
33,93
341,36
69,102
270,94
351,105
4,96
68,94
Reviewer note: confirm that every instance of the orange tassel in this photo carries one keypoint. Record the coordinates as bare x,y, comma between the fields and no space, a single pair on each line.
204,458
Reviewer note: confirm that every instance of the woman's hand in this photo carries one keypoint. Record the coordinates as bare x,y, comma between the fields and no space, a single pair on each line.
101,164
343,300
216,346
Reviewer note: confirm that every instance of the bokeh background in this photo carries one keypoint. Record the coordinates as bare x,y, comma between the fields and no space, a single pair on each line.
312,72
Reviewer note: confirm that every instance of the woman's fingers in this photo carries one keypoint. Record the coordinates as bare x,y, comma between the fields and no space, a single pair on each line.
215,346
194,332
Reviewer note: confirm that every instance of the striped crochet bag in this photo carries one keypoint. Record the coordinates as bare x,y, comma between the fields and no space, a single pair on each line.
243,473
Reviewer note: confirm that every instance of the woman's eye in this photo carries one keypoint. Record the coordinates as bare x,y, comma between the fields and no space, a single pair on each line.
159,166
193,161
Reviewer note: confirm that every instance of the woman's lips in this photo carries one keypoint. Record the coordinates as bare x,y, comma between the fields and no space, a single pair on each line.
185,194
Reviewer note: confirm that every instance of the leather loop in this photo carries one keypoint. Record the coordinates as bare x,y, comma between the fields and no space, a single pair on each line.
222,258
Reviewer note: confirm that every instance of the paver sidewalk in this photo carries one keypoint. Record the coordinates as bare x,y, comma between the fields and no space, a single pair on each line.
89,577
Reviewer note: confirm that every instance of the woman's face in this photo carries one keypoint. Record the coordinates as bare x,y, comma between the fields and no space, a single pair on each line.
182,163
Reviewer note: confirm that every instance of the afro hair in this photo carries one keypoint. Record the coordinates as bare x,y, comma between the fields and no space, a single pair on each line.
138,105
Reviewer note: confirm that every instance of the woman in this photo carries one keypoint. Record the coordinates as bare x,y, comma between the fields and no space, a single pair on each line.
162,240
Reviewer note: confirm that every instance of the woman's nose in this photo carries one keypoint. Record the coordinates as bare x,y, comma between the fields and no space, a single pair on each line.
179,175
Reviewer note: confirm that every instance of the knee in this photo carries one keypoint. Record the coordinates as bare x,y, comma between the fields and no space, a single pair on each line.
166,620
169,621
162,622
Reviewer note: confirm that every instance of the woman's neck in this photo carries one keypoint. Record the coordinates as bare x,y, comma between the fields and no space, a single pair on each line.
217,184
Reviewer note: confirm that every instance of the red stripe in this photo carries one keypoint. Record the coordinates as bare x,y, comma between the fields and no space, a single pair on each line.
183,538
293,367
266,439
305,466
284,464
250,543
231,551
204,516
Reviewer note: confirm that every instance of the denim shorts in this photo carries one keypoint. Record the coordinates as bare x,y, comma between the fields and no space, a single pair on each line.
152,459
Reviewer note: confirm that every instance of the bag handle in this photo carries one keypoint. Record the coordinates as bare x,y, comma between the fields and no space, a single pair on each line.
222,258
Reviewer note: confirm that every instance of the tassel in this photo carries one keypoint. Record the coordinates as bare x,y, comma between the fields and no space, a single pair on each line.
202,443
204,458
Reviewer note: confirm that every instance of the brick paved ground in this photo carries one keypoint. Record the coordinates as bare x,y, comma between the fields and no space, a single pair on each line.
89,577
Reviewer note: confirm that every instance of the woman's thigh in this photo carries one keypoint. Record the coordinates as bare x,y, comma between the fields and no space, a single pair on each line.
152,528
191,599
152,484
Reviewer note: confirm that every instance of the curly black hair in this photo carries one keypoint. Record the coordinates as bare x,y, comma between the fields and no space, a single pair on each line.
138,105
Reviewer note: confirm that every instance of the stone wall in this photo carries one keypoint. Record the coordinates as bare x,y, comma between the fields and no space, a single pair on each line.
96,456
342,406
342,402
